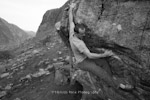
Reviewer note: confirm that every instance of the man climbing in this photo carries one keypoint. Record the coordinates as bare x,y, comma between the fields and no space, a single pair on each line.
85,58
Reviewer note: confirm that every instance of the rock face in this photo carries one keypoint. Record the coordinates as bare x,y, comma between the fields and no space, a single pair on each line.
48,22
49,19
11,34
125,22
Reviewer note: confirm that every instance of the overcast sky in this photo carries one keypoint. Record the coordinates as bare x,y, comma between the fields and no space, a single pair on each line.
27,14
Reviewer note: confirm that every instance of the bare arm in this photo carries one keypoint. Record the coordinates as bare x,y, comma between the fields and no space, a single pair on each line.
96,55
83,49
71,31
72,26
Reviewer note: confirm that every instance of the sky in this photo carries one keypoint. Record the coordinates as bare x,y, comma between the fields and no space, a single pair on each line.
27,14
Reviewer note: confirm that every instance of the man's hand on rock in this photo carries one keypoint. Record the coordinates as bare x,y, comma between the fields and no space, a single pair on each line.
72,5
108,53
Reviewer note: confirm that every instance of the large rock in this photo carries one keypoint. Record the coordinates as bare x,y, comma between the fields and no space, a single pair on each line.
49,19
126,22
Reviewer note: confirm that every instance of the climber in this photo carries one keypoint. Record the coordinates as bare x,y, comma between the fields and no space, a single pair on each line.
62,30
85,58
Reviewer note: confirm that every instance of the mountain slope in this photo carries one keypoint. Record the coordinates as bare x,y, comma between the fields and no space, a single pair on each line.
11,34
5,34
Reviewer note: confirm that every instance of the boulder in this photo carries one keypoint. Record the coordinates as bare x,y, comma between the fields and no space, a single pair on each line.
123,25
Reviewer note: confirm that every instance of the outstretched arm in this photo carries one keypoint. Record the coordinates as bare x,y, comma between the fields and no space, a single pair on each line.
71,30
83,49
95,55
71,23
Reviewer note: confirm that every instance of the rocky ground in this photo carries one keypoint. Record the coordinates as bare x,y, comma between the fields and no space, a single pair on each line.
30,74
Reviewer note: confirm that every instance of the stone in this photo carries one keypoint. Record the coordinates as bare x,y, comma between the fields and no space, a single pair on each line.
61,58
17,99
49,67
119,27
55,59
4,75
3,93
58,64
22,67
28,76
8,87
35,51
40,73
59,52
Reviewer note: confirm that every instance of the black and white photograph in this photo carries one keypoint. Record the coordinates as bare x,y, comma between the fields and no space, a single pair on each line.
75,50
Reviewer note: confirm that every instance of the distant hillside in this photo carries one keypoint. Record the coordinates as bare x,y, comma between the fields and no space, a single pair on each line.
11,35
31,33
